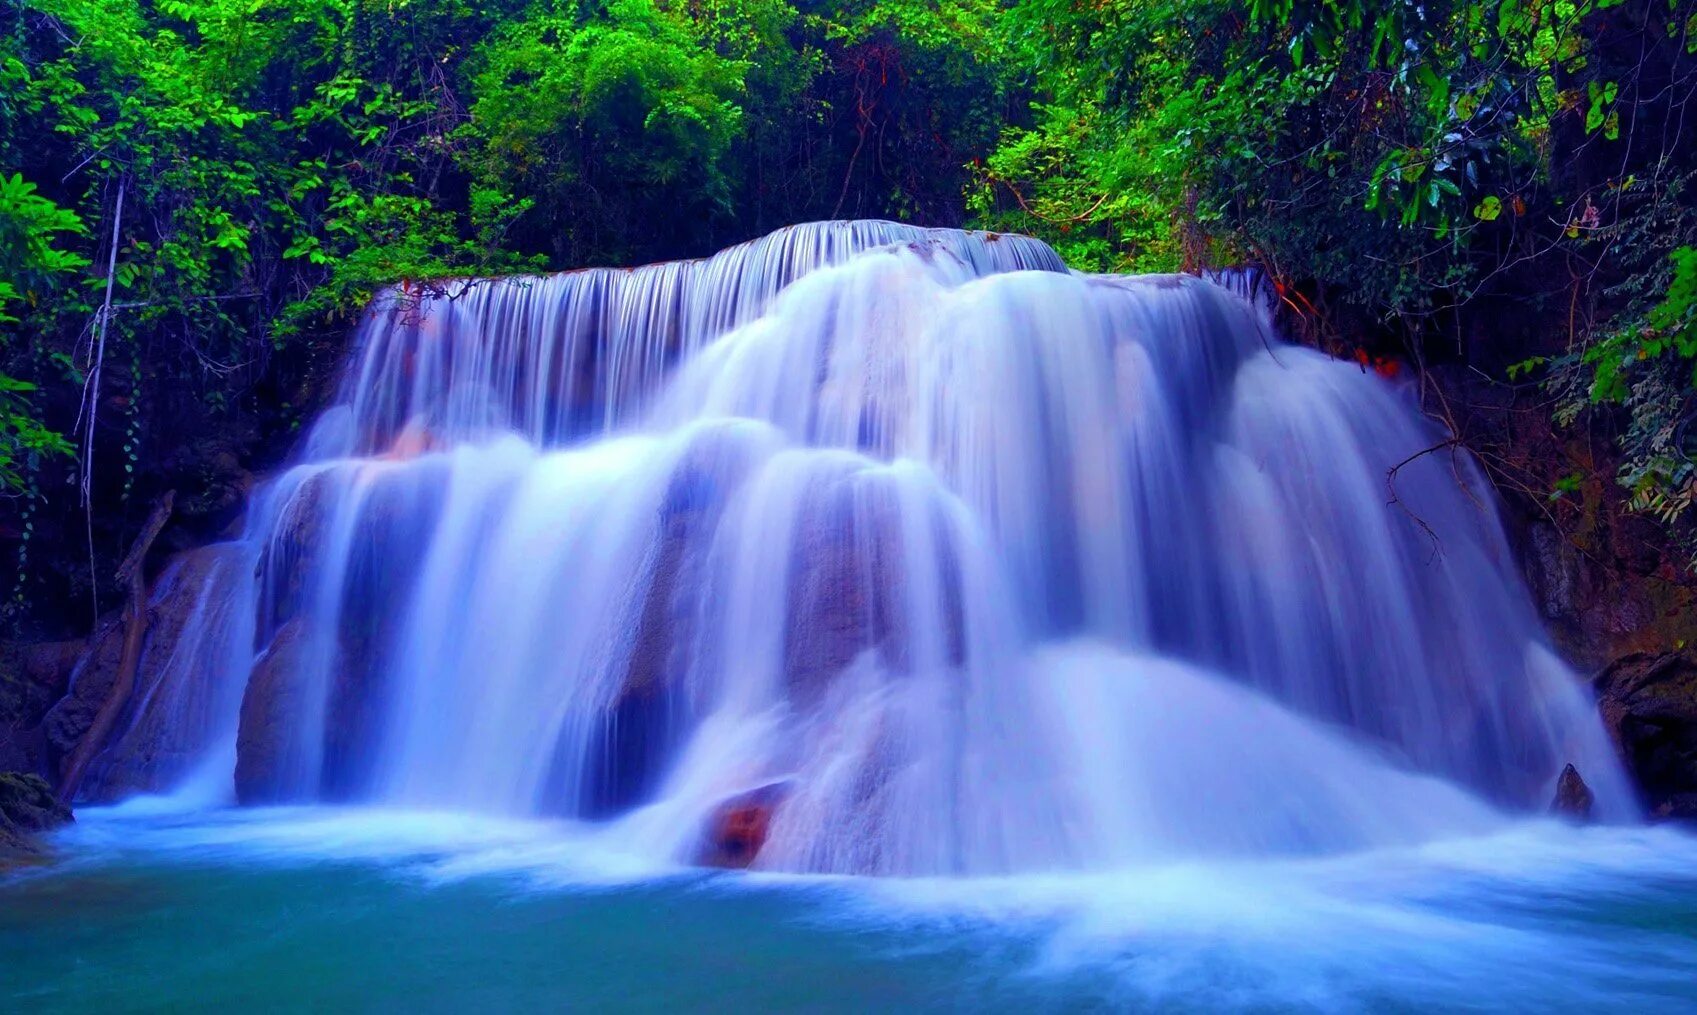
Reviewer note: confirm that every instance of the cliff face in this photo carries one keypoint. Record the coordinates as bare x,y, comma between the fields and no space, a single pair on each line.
1608,581
33,678
1618,596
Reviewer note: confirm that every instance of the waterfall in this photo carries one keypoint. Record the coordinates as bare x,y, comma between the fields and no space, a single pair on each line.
956,560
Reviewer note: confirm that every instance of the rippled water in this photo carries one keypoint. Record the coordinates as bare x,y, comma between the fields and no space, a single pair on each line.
382,910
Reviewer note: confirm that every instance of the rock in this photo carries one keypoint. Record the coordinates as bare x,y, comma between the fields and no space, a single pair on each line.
288,564
32,678
171,718
1677,806
1648,702
843,592
269,731
383,564
164,729
736,830
848,595
27,808
1637,541
222,484
1573,797
635,736
1556,571
90,682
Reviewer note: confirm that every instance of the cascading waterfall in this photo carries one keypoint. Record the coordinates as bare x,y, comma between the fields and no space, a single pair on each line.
960,562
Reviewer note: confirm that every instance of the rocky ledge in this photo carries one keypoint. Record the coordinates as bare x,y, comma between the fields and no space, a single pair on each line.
1649,704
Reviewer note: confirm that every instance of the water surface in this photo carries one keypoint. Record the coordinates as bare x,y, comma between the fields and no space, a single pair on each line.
371,910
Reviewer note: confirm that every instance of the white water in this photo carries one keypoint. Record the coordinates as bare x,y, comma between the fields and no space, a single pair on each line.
993,568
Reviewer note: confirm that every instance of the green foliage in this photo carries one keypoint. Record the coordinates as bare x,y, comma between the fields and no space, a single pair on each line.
31,264
1648,365
281,161
628,108
1388,165
30,260
1668,328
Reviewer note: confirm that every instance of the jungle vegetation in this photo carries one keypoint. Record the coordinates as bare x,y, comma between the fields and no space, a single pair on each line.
197,197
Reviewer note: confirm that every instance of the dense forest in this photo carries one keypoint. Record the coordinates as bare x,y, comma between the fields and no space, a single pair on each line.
198,198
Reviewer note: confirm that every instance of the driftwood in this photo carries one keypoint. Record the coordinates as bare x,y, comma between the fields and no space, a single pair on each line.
132,573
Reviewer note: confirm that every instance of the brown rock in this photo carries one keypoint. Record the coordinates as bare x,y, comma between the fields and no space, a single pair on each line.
1637,543
1573,797
848,589
268,737
736,830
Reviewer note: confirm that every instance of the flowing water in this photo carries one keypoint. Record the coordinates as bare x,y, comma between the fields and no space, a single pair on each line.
1145,657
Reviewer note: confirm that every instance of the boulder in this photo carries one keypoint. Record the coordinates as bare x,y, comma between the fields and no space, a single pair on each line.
635,734
288,564
397,517
845,590
269,731
1573,797
736,830
848,591
1648,703
27,808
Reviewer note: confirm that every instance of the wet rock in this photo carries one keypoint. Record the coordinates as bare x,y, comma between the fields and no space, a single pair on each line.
842,592
170,719
737,829
268,735
291,554
1648,702
396,518
1573,797
27,808
636,733
848,594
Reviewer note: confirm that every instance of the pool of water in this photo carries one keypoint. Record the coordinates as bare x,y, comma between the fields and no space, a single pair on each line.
142,909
